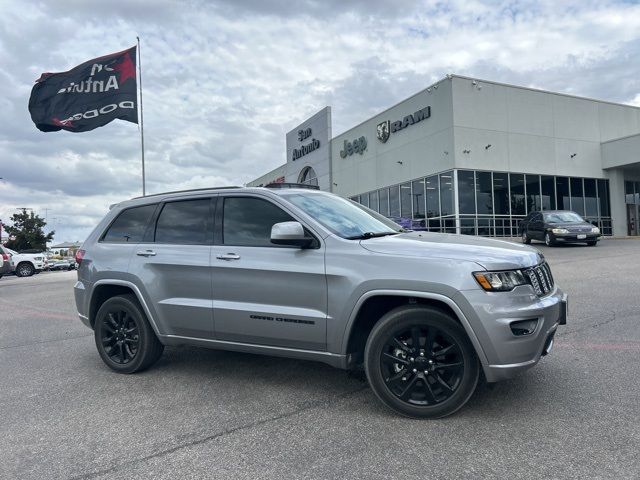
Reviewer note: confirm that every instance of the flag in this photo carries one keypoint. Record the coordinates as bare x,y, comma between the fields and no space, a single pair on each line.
87,96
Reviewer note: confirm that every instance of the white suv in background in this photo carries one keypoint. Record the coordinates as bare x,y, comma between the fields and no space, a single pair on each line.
26,264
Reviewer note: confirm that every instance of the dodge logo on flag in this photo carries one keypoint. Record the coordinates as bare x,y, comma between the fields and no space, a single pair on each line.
87,96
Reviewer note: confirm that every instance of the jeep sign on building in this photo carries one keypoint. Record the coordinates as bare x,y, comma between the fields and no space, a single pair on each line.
474,156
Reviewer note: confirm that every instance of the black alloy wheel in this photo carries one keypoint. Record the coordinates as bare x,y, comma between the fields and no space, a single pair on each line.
120,336
124,339
420,362
25,270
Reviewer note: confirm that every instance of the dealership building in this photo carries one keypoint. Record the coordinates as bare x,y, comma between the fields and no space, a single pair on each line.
473,156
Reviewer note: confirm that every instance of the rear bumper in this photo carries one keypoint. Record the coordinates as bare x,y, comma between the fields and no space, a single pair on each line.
491,316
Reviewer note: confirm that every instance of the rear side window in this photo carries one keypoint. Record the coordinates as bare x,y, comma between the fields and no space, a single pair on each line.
130,225
247,221
184,222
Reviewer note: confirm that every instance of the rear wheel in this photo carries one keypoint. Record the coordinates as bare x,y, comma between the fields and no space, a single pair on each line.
420,362
125,340
525,238
25,269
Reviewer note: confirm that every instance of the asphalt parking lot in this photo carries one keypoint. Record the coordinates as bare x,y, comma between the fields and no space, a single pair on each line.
202,413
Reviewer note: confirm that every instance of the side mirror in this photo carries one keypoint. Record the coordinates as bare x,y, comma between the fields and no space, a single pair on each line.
290,233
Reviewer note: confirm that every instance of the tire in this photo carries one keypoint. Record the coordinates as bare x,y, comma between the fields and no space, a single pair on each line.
592,244
403,385
124,339
548,240
25,269
525,238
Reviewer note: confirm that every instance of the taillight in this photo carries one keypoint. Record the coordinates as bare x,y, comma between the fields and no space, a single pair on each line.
5,257
79,256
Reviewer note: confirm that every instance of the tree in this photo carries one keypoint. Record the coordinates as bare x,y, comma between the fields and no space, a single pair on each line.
27,231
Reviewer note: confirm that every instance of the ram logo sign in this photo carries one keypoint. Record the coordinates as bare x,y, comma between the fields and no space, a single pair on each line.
386,128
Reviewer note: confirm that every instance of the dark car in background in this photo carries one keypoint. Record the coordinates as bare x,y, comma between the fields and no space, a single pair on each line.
558,226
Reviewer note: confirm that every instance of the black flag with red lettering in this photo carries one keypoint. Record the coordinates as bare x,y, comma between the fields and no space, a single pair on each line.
87,96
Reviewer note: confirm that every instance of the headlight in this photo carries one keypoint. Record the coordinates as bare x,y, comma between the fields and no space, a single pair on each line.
559,230
500,281
595,230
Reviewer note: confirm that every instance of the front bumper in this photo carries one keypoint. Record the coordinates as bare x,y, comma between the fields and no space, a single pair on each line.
575,237
491,316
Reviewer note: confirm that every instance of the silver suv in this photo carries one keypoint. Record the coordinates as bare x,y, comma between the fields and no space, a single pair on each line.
301,273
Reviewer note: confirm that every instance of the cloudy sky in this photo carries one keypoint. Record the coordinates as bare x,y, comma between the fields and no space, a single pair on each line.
225,80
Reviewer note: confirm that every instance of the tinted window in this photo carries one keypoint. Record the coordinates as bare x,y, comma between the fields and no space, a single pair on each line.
130,225
517,194
418,199
184,222
484,199
394,201
577,200
446,193
466,200
548,193
384,201
248,221
433,198
501,193
405,200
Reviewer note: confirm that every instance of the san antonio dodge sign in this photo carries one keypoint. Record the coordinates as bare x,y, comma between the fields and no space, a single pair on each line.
386,128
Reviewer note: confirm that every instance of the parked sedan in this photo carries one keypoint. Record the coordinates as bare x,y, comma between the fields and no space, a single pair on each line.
556,226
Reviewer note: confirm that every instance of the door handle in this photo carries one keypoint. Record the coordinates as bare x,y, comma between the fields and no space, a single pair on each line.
228,256
146,253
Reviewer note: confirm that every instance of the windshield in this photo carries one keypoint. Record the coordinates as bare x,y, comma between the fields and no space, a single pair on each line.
343,217
563,217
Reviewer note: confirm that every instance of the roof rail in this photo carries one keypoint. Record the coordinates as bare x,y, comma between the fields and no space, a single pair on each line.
188,190
292,185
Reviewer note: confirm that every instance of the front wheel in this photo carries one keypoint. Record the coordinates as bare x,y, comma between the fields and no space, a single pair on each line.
125,340
420,362
25,270
592,244
548,240
525,238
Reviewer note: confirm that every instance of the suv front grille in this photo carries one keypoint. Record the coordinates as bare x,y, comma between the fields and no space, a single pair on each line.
540,279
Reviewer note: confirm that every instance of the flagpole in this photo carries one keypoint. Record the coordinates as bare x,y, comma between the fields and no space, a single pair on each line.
141,116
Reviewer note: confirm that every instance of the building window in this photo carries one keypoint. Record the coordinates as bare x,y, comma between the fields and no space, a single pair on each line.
373,201
533,193
518,206
577,199
548,192
562,191
405,200
383,194
394,202
364,199
433,197
590,197
446,194
484,197
418,199
603,197
308,176
466,199
501,193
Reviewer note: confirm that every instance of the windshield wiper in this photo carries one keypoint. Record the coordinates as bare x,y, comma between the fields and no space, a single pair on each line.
366,235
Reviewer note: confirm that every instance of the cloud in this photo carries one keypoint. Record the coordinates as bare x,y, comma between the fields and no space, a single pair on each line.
224,81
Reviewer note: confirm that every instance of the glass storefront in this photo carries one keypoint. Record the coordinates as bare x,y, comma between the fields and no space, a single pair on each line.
490,203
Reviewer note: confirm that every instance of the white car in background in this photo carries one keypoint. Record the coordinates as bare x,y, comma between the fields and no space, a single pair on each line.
26,264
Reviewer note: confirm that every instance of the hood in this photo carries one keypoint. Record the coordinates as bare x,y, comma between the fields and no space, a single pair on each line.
489,253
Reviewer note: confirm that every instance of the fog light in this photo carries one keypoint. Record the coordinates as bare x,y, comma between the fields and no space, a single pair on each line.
523,327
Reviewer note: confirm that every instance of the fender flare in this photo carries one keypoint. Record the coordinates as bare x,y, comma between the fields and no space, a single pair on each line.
415,294
137,293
